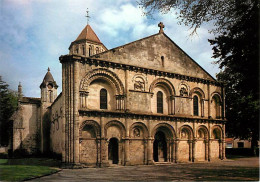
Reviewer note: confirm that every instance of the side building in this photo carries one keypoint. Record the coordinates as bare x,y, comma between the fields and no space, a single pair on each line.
140,103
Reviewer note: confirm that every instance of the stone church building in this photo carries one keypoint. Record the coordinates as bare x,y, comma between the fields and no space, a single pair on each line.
140,103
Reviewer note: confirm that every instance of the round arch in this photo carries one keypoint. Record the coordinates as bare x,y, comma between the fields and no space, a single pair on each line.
92,123
140,125
188,129
104,74
216,95
217,130
164,83
167,129
117,124
205,131
199,91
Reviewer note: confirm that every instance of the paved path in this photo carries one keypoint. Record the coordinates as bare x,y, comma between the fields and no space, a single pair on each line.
243,169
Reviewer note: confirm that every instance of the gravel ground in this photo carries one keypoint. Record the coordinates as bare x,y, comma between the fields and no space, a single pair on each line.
242,169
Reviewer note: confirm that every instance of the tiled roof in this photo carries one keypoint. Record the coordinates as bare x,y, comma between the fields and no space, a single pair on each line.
88,34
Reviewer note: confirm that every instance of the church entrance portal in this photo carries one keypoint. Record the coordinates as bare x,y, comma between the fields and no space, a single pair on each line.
160,147
113,150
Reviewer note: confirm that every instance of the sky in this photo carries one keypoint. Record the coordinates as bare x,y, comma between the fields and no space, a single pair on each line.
35,33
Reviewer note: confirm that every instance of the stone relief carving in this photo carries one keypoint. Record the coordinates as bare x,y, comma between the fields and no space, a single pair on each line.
139,82
136,132
183,91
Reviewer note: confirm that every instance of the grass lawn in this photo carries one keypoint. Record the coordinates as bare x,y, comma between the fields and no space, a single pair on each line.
20,169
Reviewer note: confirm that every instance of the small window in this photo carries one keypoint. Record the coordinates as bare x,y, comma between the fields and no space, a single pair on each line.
50,96
97,50
83,50
90,50
195,106
162,58
103,98
240,144
159,102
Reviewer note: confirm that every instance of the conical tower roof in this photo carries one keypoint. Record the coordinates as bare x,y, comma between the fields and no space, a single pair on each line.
48,78
88,34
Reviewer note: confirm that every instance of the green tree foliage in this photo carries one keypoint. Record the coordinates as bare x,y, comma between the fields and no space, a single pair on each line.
220,13
8,104
237,51
236,48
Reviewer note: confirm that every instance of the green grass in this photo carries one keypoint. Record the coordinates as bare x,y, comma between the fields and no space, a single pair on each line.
20,169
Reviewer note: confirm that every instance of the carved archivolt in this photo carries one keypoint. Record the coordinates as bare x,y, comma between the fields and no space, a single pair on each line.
139,126
166,129
92,123
186,132
202,132
199,91
117,124
217,96
164,83
103,74
217,132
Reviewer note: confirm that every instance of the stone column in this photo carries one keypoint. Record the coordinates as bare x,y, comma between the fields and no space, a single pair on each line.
223,150
169,151
127,162
209,150
190,150
75,112
145,151
150,151
208,86
194,150
98,152
206,150
177,141
220,149
172,99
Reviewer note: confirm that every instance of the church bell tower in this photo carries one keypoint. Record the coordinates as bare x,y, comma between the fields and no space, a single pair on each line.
48,89
87,43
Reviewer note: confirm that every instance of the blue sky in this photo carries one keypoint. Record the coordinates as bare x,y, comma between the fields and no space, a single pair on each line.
34,33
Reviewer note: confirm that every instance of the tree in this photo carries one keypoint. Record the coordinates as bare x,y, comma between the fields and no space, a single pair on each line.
238,56
8,104
221,13
236,46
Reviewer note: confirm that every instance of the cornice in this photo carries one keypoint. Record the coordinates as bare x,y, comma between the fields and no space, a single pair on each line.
114,65
131,115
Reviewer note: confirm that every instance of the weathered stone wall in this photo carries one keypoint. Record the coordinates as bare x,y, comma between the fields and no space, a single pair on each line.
26,128
148,53
56,127
124,130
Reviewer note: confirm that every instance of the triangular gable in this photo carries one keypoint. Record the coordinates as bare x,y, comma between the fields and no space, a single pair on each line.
149,52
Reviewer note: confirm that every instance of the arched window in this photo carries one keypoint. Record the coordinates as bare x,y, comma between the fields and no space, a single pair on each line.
83,50
103,98
195,106
97,50
50,95
162,58
159,102
90,50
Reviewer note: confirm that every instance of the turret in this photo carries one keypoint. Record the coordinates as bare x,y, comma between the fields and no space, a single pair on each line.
87,43
48,88
20,91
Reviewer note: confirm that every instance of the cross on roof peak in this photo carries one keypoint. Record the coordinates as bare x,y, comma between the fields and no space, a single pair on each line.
88,17
161,25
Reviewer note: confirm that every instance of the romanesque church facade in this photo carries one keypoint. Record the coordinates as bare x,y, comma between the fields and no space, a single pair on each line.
140,103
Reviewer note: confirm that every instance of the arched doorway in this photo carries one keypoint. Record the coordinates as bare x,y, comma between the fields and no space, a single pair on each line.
160,147
113,150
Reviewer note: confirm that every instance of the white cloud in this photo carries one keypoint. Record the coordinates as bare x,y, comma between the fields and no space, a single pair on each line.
34,33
